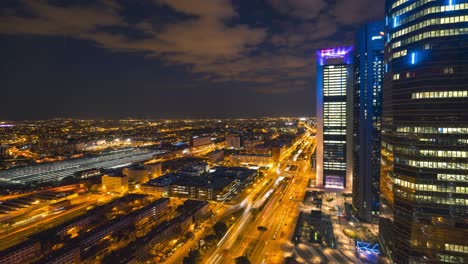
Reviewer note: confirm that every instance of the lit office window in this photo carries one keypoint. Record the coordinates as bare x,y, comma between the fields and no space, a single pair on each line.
456,248
452,177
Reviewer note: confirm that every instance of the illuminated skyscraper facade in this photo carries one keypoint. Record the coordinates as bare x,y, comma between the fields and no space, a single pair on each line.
424,174
367,118
334,78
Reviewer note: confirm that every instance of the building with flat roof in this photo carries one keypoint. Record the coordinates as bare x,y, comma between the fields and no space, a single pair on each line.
249,160
233,141
367,118
4,151
198,141
216,156
218,185
334,118
114,183
154,170
136,174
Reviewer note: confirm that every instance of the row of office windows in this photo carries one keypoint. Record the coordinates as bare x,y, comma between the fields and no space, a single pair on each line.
427,139
408,75
444,153
439,94
336,74
441,200
337,115
433,130
431,10
334,104
431,34
334,92
450,259
332,123
400,53
340,92
334,84
430,22
334,142
333,157
334,68
432,152
411,7
398,3
404,183
334,165
334,111
452,177
439,188
456,248
443,70
430,187
331,116
433,164
335,132
336,81
336,87
334,114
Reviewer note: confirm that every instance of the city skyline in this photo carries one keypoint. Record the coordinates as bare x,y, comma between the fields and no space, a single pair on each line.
222,131
111,63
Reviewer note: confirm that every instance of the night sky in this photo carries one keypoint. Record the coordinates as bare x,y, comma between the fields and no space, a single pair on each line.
101,59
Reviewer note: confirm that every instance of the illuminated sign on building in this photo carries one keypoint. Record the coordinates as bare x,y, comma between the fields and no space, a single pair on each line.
368,250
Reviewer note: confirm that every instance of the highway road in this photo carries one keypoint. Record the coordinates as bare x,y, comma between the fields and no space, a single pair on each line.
280,217
276,209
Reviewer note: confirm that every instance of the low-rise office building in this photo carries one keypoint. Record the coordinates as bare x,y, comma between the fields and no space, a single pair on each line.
136,174
198,141
252,159
233,141
115,184
218,185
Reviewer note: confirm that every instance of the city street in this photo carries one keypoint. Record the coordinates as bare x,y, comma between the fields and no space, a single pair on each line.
276,209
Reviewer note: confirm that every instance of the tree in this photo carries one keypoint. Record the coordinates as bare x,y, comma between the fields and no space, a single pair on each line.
210,239
262,228
220,229
290,260
192,257
242,260
189,235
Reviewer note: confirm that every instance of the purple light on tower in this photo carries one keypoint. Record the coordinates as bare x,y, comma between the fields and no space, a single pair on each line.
333,53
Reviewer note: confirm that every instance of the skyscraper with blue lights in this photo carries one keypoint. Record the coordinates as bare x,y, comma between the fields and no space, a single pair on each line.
424,172
367,118
334,78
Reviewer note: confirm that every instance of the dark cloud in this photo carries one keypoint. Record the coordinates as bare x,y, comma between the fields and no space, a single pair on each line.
303,9
358,11
205,39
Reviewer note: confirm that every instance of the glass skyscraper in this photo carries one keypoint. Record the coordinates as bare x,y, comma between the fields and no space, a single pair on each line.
367,118
333,85
424,174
